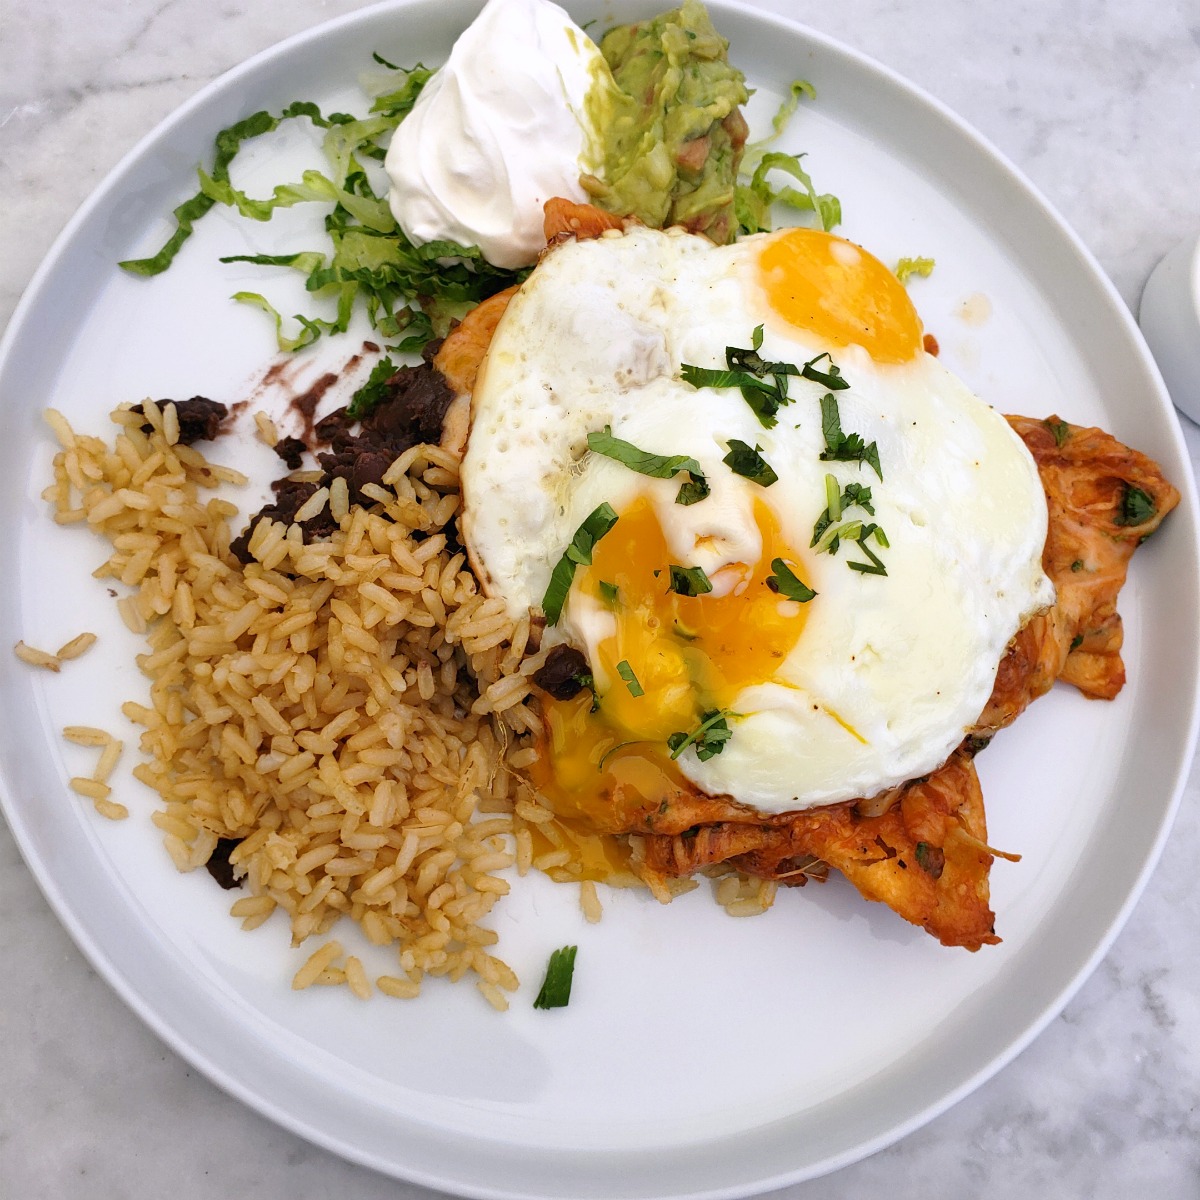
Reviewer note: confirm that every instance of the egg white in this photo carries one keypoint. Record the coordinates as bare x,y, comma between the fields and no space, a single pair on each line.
889,671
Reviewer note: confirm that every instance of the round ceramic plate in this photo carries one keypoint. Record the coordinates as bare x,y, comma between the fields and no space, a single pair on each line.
700,1055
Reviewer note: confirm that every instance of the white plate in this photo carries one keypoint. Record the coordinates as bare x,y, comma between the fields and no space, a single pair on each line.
700,1056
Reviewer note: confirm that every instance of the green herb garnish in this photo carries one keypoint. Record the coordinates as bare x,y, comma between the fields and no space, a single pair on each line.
931,859
832,379
227,144
844,447
577,554
855,531
556,987
746,461
747,370
631,680
1137,507
709,737
371,392
689,581
608,591
656,466
1060,429
838,501
787,583
586,679
875,565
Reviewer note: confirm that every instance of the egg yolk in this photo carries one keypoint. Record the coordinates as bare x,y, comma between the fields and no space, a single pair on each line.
670,660
841,294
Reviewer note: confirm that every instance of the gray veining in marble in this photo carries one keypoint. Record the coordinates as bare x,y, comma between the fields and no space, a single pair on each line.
1097,102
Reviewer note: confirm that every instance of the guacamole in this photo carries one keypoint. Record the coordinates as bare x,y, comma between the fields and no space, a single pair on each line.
673,130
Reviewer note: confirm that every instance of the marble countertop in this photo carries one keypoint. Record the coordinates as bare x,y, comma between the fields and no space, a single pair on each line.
1096,102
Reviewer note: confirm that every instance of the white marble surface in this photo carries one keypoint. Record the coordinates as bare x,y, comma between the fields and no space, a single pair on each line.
1097,102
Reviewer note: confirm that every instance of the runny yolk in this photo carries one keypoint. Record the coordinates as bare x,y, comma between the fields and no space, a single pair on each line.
837,291
689,655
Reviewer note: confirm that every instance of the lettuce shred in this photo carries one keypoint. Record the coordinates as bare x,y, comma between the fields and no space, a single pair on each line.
756,192
402,287
906,268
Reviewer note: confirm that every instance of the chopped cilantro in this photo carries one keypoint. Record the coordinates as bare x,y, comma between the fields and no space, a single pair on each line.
746,461
709,737
931,859
832,379
656,466
556,987
837,502
577,554
689,581
373,391
1060,429
748,371
1137,507
787,583
844,447
631,680
586,679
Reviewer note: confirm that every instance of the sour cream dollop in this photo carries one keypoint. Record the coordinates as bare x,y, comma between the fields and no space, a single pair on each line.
498,131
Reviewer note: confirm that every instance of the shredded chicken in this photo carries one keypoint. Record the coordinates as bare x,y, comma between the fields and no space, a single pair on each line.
1094,527
922,849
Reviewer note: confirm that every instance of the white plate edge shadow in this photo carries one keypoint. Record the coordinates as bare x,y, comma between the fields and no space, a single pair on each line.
176,1037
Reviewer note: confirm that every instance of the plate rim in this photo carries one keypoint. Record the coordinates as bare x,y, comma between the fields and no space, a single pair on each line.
177,1038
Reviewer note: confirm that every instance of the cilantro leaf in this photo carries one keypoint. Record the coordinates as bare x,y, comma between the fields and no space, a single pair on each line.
656,466
556,987
748,371
631,680
586,679
579,553
832,379
689,581
1060,429
709,737
787,583
1137,507
837,502
371,392
746,461
844,447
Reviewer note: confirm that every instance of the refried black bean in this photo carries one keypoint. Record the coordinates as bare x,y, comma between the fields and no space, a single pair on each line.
291,450
290,496
219,866
199,418
560,673
412,412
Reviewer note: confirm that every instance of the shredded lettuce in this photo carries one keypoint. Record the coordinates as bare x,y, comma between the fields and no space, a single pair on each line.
403,288
755,193
907,267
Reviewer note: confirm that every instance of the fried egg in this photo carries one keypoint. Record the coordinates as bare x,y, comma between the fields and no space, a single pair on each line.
752,689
